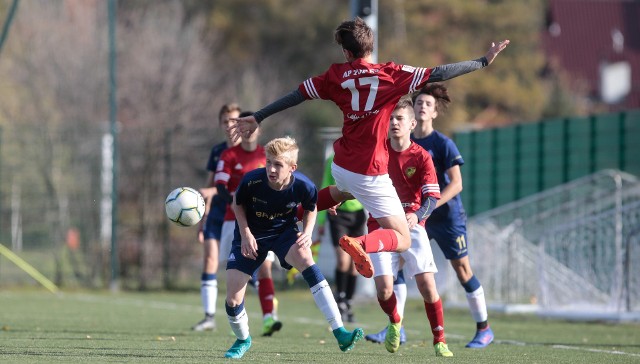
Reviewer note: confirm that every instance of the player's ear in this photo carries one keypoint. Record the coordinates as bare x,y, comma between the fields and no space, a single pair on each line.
347,54
294,166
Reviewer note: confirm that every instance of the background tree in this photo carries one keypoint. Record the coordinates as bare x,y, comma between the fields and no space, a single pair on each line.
178,62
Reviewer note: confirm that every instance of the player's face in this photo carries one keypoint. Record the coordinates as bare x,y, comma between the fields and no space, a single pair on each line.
226,122
278,171
401,124
425,108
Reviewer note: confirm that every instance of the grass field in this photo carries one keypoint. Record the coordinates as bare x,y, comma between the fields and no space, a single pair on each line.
101,327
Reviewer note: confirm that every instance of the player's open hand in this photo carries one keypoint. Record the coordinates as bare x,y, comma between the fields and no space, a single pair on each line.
243,127
495,49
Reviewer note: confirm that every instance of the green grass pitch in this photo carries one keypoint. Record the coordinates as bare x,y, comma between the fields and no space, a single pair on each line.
101,327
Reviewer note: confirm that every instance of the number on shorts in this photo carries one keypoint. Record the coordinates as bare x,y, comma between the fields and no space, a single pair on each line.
462,243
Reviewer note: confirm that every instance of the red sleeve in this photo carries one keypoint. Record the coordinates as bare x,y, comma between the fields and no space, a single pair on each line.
409,79
316,87
223,169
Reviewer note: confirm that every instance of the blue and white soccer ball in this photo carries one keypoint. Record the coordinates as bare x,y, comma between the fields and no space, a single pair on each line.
184,206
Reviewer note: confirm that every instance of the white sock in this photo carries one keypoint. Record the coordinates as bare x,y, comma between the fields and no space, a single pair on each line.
240,324
209,295
327,304
401,297
477,305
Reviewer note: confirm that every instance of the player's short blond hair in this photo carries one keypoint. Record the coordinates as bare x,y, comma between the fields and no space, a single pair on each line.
285,148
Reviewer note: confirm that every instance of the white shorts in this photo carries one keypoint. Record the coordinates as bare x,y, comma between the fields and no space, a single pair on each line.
375,193
417,259
226,240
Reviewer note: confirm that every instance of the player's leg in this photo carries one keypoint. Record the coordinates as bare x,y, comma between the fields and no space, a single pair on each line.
338,228
302,259
236,313
385,264
379,197
239,270
266,294
400,290
476,300
209,279
433,307
452,240
357,227
419,263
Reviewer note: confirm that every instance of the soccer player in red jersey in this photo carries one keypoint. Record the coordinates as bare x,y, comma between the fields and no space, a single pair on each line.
414,177
366,93
234,163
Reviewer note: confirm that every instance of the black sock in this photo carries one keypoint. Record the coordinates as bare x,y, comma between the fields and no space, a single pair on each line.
351,286
341,285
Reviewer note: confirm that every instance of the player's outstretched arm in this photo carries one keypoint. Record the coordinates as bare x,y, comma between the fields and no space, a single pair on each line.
247,125
449,71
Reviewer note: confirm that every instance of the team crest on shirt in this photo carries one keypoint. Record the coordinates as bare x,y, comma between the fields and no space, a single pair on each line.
291,205
410,171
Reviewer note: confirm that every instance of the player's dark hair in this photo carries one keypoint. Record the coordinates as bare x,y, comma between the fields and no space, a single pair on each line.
439,93
227,108
355,36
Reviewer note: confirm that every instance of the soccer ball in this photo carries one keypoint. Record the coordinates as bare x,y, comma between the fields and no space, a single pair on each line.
184,206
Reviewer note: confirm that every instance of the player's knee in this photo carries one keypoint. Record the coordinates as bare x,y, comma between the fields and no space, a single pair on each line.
211,265
384,293
404,243
463,270
233,302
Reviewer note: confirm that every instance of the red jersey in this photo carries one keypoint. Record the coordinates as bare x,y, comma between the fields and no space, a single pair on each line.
414,177
367,94
232,166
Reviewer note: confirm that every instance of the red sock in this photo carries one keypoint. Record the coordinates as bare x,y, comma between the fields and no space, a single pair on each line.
325,200
266,291
436,320
381,240
390,307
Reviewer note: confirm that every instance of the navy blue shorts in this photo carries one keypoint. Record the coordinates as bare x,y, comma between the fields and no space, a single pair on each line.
279,244
451,238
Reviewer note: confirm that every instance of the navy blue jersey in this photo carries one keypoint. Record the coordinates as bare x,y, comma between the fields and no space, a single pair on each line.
445,155
270,212
218,206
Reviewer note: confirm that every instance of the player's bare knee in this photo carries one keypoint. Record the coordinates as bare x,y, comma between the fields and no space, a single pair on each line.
384,293
404,243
